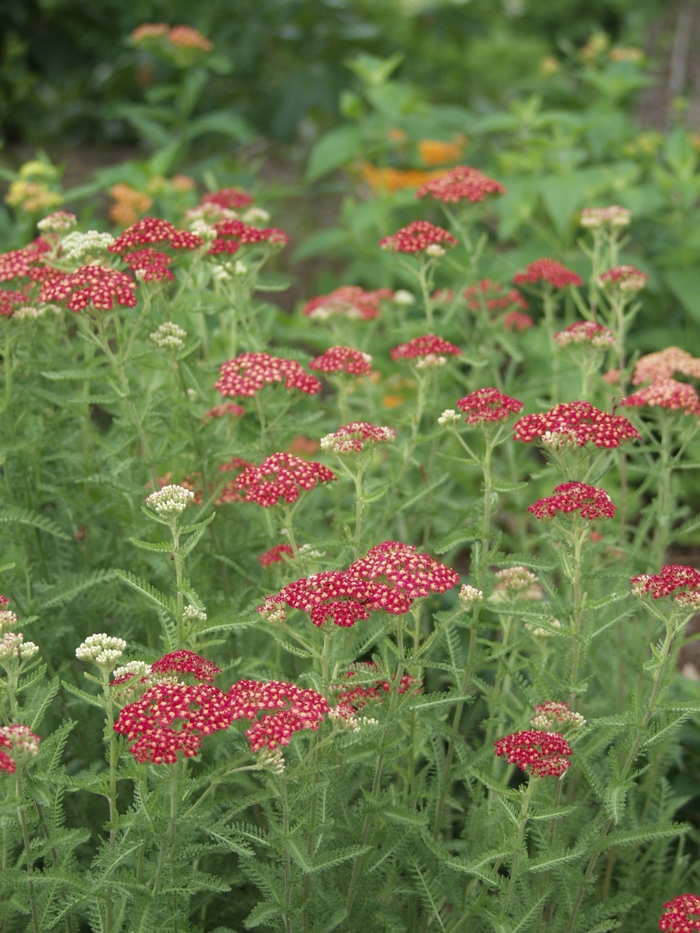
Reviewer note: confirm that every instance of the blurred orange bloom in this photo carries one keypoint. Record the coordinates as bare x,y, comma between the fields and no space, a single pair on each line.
182,183
149,31
303,445
392,401
627,55
185,37
437,152
394,179
129,204
397,135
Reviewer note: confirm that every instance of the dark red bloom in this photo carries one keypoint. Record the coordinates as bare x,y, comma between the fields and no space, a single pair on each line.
516,320
228,198
579,422
23,263
416,237
545,753
274,555
357,695
232,234
248,373
91,285
343,360
151,230
281,476
405,569
486,405
677,580
349,300
461,183
10,301
424,346
186,662
228,408
681,914
151,263
590,501
286,709
548,270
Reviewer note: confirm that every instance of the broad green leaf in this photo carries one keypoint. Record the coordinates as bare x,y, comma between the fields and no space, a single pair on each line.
333,150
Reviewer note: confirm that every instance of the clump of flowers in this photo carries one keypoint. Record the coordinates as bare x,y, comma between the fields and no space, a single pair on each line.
516,320
171,718
169,336
58,222
103,650
516,583
613,216
625,278
585,333
551,714
549,271
13,645
276,555
151,230
589,501
248,373
664,364
93,285
494,296
417,237
128,204
220,411
149,265
348,301
676,580
22,745
580,423
77,245
281,476
286,709
357,695
681,914
343,360
232,234
547,754
665,393
461,183
470,595
488,405
170,501
227,198
427,351
357,437
186,662
8,618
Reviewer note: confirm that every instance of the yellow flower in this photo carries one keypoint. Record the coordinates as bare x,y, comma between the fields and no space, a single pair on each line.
37,168
549,65
31,196
437,152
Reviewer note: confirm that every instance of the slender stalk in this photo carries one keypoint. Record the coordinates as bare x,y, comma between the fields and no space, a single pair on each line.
27,851
172,825
522,823
287,859
578,534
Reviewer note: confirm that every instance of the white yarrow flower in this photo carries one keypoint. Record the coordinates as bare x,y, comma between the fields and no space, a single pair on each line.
77,245
449,416
170,501
169,336
104,650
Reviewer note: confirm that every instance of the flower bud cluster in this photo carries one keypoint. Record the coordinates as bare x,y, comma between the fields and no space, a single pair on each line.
614,216
78,245
8,620
449,416
170,501
469,595
551,714
104,650
585,332
356,437
625,278
192,615
58,222
169,336
516,583
13,644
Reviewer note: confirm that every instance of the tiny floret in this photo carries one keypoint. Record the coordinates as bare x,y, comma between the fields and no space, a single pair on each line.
170,501
681,914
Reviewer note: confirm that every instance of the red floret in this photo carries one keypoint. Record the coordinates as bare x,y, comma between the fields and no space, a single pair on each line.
548,270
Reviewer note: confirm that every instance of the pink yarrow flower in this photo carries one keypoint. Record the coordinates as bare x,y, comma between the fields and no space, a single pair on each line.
516,320
228,408
91,285
589,501
248,373
24,263
423,347
281,476
585,332
624,278
343,360
487,405
461,183
232,234
676,580
551,714
664,364
665,393
578,422
286,709
11,301
549,271
417,237
151,230
357,437
545,753
349,301
681,914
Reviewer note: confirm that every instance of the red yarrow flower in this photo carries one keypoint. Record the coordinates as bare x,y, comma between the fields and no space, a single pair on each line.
486,405
11,301
545,753
416,237
494,296
516,320
21,741
625,278
275,555
286,709
232,234
585,332
580,423
591,502
23,263
357,695
343,360
665,393
676,580
228,408
227,198
186,662
424,346
350,301
150,265
151,230
681,914
91,285
281,476
248,373
356,437
550,271
172,718
461,183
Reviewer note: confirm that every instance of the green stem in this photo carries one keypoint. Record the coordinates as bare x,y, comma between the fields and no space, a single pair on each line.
180,605
287,859
522,823
27,851
578,535
170,831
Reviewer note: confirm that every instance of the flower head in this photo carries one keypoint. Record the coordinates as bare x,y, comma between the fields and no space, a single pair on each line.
281,476
357,695
591,502
664,364
516,583
551,714
666,393
585,333
416,237
171,718
461,183
104,650
219,411
469,595
232,234
624,278
58,222
93,285
676,580
350,301
486,405
13,645
286,709
22,745
149,265
77,245
151,230
275,555
423,348
404,568
550,271
356,437
494,296
343,360
545,753
170,501
228,198
248,373
169,336
11,302
681,914
516,320
25,262
185,37
186,662
613,216
580,422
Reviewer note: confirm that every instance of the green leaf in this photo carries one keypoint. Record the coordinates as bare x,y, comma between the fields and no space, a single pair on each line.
502,486
261,913
82,695
443,545
74,588
333,150
20,516
221,121
144,587
685,285
272,283
162,547
321,243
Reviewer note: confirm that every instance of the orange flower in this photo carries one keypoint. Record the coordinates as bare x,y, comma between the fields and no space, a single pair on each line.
392,401
394,179
437,152
129,204
185,37
397,135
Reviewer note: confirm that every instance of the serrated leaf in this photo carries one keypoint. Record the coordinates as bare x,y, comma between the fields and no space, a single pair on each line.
82,695
161,547
502,486
443,545
144,587
20,516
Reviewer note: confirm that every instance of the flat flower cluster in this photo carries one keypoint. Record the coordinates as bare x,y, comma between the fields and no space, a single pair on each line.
676,580
665,393
281,476
549,271
357,437
348,301
248,373
487,405
589,501
580,422
546,754
343,360
292,709
417,237
585,332
461,183
426,347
